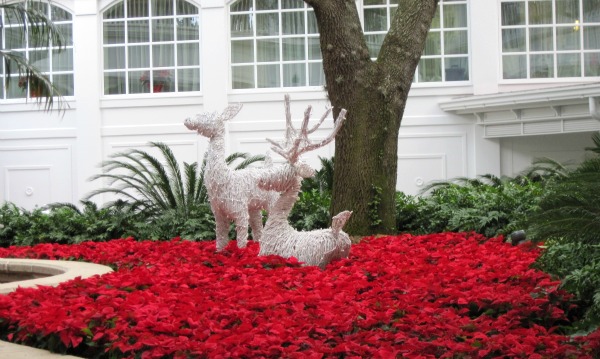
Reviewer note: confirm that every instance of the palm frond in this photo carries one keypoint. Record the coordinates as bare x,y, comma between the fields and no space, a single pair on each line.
41,32
596,140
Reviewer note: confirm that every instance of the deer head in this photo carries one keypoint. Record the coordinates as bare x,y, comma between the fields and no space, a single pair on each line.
209,124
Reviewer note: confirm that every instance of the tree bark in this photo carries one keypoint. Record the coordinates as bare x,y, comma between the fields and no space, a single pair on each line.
374,93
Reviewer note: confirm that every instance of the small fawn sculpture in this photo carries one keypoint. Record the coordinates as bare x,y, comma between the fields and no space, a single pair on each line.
315,248
233,194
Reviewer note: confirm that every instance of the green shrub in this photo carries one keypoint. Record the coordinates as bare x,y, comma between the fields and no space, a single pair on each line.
487,205
311,211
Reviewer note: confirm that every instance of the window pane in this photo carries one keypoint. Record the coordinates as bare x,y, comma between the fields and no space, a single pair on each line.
58,14
138,31
162,7
540,39
114,32
591,64
139,82
162,81
373,2
188,80
15,38
241,26
457,69
137,8
62,61
266,5
293,49
513,40
514,67
14,91
312,23
567,38
188,54
513,13
292,4
455,16
162,30
114,58
242,51
591,10
267,50
376,19
67,32
567,11
241,5
139,56
569,65
314,48
540,12
267,24
267,76
294,75
115,12
541,66
114,83
374,44
316,76
64,83
456,42
430,70
39,59
433,44
292,23
163,55
185,8
591,37
243,77
435,22
188,28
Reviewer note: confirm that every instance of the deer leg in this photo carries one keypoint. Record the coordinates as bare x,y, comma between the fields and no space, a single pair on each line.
222,232
241,228
256,224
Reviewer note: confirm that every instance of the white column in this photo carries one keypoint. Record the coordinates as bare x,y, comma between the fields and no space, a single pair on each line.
485,46
215,58
86,58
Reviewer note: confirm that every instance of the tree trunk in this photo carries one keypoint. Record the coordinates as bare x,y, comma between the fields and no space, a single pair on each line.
374,93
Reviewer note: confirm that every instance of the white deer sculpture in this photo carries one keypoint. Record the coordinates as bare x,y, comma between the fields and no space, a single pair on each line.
315,248
233,194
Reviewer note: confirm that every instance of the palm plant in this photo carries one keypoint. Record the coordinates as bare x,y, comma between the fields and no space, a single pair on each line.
152,186
40,32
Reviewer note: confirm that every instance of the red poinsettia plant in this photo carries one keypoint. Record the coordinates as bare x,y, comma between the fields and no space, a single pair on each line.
449,295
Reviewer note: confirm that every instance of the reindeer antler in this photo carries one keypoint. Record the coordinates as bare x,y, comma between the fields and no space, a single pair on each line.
296,141
230,111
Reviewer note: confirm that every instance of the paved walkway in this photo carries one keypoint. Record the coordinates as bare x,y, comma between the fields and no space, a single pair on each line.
15,351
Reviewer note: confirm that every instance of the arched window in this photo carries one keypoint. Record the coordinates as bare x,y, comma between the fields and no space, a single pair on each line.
550,39
274,43
58,66
151,46
446,54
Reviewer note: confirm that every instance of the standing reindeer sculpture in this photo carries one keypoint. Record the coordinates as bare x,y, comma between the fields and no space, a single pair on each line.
233,194
317,247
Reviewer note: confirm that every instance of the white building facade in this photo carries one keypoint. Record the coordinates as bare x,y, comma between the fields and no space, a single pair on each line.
500,83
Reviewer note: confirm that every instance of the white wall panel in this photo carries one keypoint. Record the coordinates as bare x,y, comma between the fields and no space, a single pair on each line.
36,175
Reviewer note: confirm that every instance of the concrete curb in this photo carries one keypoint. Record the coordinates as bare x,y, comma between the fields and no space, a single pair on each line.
58,271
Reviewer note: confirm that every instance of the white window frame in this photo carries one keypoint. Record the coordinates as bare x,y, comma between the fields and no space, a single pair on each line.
67,46
150,69
554,52
443,83
281,63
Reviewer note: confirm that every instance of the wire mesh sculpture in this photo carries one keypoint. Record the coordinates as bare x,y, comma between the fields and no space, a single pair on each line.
315,248
233,194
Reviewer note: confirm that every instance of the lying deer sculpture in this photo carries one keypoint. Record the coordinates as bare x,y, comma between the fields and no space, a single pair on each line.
233,194
315,248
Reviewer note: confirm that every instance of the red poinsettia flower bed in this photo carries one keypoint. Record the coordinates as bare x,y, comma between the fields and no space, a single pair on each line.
437,296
